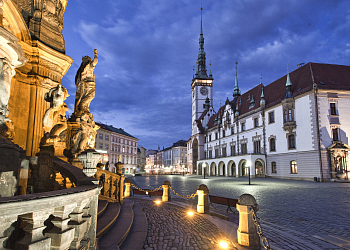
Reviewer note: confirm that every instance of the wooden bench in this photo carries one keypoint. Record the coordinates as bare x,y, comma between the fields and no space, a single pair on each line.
154,193
223,201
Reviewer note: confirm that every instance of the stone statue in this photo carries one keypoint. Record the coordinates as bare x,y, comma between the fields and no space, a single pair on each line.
54,120
85,82
82,137
6,74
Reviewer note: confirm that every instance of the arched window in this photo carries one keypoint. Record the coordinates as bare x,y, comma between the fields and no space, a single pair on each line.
293,167
272,144
273,167
291,142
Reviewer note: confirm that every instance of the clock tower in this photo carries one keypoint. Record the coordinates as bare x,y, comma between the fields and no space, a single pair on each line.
202,85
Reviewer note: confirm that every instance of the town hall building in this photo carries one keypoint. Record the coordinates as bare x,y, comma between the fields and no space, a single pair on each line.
296,127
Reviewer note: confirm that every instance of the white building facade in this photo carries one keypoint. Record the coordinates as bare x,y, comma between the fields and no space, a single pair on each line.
119,144
296,127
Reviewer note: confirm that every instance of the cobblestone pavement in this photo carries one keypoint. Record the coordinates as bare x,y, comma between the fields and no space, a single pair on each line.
171,228
294,214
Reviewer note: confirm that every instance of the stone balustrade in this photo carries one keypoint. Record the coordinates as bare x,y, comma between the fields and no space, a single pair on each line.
112,185
62,219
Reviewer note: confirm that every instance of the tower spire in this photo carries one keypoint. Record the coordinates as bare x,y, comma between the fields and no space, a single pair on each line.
201,61
236,89
289,93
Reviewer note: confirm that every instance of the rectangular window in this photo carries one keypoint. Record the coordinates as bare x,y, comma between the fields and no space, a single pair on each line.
243,126
291,142
216,153
223,133
100,145
232,130
244,148
100,136
256,122
272,117
285,116
107,138
106,146
216,136
290,116
233,150
333,110
210,154
335,134
209,137
257,147
273,167
223,152
272,144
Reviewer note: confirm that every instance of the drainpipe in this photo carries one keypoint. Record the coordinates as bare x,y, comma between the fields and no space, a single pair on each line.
318,131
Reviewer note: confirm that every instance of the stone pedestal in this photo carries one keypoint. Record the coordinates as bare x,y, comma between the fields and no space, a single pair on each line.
166,191
247,232
203,202
89,159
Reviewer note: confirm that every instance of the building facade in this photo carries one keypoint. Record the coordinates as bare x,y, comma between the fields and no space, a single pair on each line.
118,144
141,158
296,127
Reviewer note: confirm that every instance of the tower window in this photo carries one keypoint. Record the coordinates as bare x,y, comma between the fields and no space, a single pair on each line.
335,134
333,109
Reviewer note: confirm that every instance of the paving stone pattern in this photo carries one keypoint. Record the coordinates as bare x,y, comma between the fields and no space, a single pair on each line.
169,227
294,214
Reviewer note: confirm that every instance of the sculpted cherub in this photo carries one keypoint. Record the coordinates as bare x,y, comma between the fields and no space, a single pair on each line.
54,120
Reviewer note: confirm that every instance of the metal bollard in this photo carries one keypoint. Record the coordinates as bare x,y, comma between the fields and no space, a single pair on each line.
247,233
166,191
203,202
127,192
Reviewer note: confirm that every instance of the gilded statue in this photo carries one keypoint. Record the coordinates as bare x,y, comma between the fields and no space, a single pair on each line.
85,82
54,120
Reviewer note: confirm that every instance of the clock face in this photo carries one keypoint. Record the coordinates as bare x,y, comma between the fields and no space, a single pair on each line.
204,91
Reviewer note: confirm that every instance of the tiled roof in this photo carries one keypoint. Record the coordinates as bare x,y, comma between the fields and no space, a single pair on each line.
326,76
113,129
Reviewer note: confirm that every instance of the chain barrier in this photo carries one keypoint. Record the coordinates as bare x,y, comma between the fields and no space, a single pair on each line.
263,238
149,191
183,196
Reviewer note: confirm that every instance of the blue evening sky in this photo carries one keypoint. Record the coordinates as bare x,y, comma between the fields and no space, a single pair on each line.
148,48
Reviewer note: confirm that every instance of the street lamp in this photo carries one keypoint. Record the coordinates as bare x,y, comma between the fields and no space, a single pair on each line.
248,166
204,170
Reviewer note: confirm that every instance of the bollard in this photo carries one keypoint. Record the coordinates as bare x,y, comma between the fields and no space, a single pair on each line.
127,192
166,191
203,203
247,232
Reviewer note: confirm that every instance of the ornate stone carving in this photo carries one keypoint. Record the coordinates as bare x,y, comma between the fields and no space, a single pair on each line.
54,120
85,82
11,56
8,183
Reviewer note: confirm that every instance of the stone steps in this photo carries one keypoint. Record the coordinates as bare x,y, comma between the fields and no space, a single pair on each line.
138,232
102,205
118,230
107,218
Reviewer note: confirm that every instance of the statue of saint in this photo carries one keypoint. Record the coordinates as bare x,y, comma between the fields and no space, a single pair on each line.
54,120
82,135
85,82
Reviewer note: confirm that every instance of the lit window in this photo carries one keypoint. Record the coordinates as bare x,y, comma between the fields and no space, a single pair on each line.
333,110
293,167
273,167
